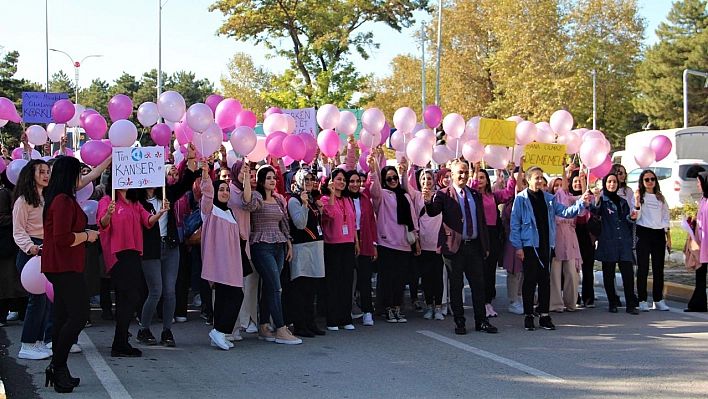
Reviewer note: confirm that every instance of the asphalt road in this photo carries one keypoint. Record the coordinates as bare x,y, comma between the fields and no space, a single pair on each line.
592,354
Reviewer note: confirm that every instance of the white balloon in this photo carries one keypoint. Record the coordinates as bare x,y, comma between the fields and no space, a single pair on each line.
148,114
55,131
36,135
78,109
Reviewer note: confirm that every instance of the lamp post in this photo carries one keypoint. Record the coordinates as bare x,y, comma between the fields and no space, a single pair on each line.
437,79
77,66
160,4
687,72
594,100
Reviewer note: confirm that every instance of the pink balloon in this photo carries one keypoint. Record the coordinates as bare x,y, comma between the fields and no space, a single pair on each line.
455,146
496,156
398,140
8,111
370,139
85,193
161,134
561,122
69,153
454,125
441,154
32,278
428,135
604,168
243,140
62,111
246,118
572,141
208,142
295,147
644,156
16,153
661,146
90,207
200,117
95,126
593,134
49,289
347,123
260,152
328,116
328,141
275,122
213,101
270,111
515,118
373,120
84,115
432,115
94,152
3,166
13,169
526,132
419,151
226,112
183,133
385,133
362,145
120,107
274,144
311,145
362,161
544,133
291,123
404,119
592,153
171,106
473,151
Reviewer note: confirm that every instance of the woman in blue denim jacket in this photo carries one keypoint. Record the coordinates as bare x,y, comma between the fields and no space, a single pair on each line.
533,239
614,245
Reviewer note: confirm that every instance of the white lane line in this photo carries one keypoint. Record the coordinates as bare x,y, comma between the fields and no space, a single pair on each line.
492,356
103,371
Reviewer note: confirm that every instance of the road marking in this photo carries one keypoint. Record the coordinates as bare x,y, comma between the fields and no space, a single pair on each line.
103,371
492,356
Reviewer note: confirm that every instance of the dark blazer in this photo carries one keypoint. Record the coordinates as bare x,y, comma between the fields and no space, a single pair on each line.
446,202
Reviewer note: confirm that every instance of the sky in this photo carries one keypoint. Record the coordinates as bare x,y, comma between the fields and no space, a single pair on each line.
125,34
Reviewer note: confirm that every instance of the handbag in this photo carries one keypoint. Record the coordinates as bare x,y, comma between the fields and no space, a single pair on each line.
594,225
192,222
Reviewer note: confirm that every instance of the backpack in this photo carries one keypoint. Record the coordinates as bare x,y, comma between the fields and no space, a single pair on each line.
192,222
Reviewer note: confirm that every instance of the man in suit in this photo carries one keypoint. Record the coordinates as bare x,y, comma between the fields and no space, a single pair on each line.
463,242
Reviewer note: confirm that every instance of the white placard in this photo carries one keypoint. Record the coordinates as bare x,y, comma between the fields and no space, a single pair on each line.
138,167
305,120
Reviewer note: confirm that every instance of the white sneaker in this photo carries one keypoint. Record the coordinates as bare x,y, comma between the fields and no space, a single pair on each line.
335,328
252,328
661,305
349,327
13,316
45,348
643,306
368,319
75,348
180,319
219,339
234,336
32,352
197,301
438,314
516,308
229,343
429,313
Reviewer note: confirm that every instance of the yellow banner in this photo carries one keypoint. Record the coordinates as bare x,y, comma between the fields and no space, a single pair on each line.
497,132
548,157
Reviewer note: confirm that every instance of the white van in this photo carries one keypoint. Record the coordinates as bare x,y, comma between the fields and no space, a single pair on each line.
677,180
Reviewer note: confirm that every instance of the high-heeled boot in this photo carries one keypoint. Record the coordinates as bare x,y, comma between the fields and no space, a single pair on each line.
58,377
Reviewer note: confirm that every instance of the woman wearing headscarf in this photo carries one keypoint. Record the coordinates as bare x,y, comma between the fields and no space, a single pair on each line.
697,303
586,244
307,267
398,234
614,245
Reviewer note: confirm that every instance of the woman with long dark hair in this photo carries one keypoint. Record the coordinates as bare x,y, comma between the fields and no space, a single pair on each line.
624,191
271,247
63,262
653,235
121,221
28,232
698,301
398,234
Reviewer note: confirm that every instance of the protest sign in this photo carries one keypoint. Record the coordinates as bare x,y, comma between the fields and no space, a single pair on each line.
37,106
305,120
138,167
497,132
548,157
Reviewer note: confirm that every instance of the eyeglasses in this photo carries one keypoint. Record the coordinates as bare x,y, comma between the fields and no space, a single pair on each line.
391,179
649,179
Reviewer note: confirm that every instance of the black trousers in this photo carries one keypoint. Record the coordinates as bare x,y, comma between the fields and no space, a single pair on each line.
490,264
128,278
413,278
227,303
364,271
650,242
339,276
698,300
71,310
608,278
587,253
394,267
536,274
469,262
431,266
304,290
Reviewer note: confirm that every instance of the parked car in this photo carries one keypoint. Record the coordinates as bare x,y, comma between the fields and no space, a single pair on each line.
677,180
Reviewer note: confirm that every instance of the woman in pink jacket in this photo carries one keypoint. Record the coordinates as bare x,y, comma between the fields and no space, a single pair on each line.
398,234
698,299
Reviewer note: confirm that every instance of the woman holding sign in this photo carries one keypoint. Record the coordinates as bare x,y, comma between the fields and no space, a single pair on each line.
121,221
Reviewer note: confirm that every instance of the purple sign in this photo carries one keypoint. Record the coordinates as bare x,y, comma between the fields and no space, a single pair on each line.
37,106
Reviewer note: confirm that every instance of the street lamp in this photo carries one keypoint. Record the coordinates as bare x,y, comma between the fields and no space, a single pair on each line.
160,4
77,66
687,72
594,100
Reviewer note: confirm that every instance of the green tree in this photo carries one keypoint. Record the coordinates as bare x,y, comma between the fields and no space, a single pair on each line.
8,65
683,44
192,89
61,83
320,36
247,83
12,89
96,96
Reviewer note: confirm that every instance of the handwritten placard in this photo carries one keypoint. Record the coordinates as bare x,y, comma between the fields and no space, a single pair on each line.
37,106
138,167
497,132
548,157
305,120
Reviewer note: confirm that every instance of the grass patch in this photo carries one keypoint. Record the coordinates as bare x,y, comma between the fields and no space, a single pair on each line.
678,239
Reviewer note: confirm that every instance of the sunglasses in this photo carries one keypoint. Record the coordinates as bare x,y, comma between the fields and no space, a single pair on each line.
391,179
649,179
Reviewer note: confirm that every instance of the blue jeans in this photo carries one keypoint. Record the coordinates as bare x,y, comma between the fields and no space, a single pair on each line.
37,315
161,278
268,259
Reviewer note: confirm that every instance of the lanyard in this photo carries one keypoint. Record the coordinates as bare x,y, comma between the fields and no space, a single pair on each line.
340,203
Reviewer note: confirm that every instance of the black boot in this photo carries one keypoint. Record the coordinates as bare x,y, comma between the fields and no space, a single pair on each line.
59,378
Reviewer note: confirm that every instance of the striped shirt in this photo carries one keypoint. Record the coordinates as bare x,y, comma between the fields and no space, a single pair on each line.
268,221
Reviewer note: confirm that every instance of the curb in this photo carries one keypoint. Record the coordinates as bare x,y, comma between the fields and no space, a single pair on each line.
672,291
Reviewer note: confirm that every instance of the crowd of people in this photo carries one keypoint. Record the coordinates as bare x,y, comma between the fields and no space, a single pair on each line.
266,249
